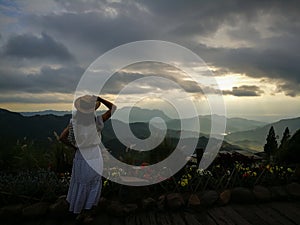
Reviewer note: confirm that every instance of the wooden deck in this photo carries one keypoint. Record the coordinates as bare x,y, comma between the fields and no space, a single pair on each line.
274,213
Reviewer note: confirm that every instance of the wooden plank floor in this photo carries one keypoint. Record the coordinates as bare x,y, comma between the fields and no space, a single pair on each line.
274,213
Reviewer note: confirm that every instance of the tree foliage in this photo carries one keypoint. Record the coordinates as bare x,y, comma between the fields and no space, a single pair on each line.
285,139
292,153
270,147
282,150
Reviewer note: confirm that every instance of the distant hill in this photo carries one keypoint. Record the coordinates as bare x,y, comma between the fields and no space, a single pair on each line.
144,115
232,124
137,115
40,127
241,124
46,112
141,130
256,138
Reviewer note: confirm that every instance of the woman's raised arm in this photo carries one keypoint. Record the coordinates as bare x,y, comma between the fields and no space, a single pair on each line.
111,108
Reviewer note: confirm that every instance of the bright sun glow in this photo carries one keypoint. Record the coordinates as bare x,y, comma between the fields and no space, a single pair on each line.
228,81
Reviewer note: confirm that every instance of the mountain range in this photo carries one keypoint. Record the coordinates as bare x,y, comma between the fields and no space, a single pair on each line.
256,138
247,134
137,115
40,127
46,112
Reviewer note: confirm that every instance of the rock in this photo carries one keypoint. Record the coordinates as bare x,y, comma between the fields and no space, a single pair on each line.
62,197
278,192
130,208
297,171
66,222
50,221
209,198
59,208
148,203
224,197
262,193
193,200
185,197
132,194
35,210
242,195
102,205
293,189
115,209
11,211
174,201
161,202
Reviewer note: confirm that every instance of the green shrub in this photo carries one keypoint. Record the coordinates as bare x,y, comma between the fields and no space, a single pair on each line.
32,185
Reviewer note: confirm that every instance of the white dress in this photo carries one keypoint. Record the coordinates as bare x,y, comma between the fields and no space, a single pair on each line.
85,184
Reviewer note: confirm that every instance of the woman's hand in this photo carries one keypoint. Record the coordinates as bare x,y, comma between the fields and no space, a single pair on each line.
111,108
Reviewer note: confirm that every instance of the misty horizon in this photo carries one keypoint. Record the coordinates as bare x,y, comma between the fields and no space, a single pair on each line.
266,119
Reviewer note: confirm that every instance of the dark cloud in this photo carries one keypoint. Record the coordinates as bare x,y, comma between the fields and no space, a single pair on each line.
103,25
244,91
274,62
119,80
163,77
275,56
244,33
31,46
63,80
291,89
36,99
97,30
97,26
204,18
142,86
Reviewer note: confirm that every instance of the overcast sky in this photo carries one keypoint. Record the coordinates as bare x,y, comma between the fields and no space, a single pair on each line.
252,48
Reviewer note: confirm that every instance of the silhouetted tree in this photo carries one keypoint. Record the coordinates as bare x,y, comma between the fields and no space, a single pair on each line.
285,139
282,150
292,153
270,147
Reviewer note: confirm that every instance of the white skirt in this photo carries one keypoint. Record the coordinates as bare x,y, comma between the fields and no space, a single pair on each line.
86,183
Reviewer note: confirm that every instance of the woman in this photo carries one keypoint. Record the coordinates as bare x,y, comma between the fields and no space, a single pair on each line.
85,184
